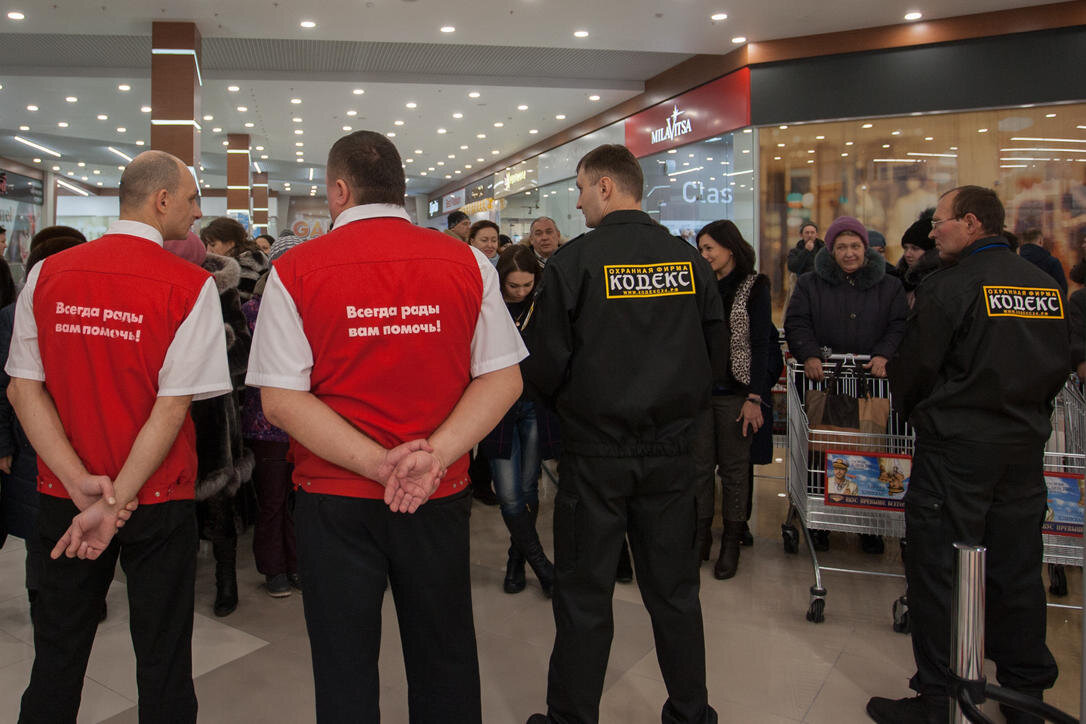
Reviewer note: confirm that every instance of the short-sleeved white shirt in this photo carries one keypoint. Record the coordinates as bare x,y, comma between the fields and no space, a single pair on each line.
195,362
282,357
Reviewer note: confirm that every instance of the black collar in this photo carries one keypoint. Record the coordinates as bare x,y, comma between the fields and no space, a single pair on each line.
626,216
988,242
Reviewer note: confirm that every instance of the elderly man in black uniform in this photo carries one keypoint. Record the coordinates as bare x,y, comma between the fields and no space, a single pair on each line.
985,353
619,337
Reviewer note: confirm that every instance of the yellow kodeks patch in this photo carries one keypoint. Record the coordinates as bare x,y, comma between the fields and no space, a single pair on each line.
641,281
1023,302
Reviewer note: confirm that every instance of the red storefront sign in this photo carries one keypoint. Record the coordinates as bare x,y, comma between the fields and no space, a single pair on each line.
706,111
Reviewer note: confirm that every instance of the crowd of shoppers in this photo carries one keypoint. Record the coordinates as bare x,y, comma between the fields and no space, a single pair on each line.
301,379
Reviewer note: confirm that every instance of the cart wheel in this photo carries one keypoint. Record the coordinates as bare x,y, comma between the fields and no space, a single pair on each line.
791,538
1057,580
901,615
817,612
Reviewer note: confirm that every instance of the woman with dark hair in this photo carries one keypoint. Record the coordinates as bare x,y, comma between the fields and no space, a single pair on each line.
483,235
18,461
226,237
517,446
264,243
740,385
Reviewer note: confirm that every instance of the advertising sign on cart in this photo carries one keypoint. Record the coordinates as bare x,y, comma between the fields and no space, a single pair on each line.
867,480
1064,514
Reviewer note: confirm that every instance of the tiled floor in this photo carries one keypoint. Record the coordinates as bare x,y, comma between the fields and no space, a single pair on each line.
765,662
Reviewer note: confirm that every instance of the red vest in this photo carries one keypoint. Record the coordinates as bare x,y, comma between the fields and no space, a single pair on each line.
389,310
107,312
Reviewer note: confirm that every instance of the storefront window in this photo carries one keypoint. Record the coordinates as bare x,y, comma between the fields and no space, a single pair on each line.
886,171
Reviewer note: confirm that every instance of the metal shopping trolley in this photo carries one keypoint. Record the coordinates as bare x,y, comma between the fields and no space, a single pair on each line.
808,450
1065,464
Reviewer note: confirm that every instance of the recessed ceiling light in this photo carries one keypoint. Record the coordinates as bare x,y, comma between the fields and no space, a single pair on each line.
103,117
249,124
347,128
296,101
886,145
982,130
820,138
522,107
739,39
463,148
263,157
480,135
308,24
913,16
140,143
24,128
499,124
480,160
233,88
62,124
37,160
533,131
718,16
868,125
580,33
895,133
16,15
243,109
298,131
216,129
448,29
495,152
391,134
124,87
300,160
97,172
358,91
409,160
849,143
299,153
929,138
452,155
422,173
474,94
260,148
593,97
32,108
418,150
780,145
467,165
440,163
560,117
352,114
226,143
397,123
121,129
71,99
208,117
442,130
82,164
145,109
1050,115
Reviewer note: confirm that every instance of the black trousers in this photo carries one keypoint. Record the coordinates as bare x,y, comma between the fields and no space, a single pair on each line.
157,550
978,494
599,502
349,550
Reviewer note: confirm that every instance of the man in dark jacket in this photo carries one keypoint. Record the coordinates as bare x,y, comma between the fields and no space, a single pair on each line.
984,355
618,336
801,257
1033,251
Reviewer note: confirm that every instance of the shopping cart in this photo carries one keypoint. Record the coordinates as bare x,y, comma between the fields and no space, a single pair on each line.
1065,457
808,450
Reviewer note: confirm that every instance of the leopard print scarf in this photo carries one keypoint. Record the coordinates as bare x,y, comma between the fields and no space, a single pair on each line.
740,323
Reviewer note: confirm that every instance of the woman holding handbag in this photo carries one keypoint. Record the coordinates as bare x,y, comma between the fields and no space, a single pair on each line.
741,385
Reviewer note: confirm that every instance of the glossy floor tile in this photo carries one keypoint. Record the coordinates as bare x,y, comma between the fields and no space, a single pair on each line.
765,662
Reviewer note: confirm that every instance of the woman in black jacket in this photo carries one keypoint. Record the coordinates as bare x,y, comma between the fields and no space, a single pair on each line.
741,385
919,258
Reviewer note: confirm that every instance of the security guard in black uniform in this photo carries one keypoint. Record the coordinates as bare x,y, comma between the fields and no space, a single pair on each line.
618,336
985,352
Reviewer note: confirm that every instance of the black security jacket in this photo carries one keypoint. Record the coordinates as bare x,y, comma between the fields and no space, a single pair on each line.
985,351
623,350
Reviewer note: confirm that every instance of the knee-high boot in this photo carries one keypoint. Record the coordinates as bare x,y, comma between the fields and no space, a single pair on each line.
514,570
522,529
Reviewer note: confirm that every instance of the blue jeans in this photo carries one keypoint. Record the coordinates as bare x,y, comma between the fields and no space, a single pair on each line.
516,477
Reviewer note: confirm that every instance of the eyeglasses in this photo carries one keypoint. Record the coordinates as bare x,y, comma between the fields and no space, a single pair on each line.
935,222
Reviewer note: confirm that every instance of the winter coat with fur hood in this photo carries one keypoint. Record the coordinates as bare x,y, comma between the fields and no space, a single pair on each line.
859,313
911,277
223,461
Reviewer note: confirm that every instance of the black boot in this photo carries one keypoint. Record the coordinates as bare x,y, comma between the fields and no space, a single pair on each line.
514,571
522,529
746,539
728,562
914,710
624,573
226,576
705,538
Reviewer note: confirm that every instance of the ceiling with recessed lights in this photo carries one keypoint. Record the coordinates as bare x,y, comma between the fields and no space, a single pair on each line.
455,86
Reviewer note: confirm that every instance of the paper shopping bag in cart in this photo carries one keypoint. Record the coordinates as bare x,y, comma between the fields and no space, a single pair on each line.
833,417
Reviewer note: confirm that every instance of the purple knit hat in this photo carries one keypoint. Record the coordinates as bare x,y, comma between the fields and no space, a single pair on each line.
190,248
845,223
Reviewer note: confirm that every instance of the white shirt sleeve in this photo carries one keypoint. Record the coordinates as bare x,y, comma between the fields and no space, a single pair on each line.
280,356
24,357
496,343
195,362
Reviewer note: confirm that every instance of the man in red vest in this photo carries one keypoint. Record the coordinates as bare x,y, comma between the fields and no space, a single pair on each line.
112,341
386,352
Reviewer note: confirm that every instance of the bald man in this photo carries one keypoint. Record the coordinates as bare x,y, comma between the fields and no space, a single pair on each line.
115,439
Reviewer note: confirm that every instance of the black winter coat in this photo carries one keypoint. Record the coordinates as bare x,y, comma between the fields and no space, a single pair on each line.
801,261
1039,257
985,352
860,313
1076,317
19,490
619,334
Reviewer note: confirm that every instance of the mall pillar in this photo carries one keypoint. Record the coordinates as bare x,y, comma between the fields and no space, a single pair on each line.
237,177
260,203
175,91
